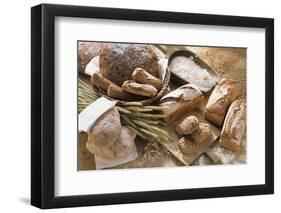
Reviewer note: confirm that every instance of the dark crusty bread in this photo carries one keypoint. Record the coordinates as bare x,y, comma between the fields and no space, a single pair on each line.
118,61
87,51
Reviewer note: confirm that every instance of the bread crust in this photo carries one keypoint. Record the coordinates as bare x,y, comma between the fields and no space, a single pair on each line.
106,130
234,126
139,89
86,51
118,93
181,101
222,96
100,82
188,125
143,77
118,61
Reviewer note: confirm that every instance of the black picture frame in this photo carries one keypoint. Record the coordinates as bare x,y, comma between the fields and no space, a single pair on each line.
42,105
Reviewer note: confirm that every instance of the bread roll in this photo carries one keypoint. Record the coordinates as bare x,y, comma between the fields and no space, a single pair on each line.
139,89
181,101
118,61
106,130
202,134
188,125
141,76
222,96
100,81
187,146
117,92
234,126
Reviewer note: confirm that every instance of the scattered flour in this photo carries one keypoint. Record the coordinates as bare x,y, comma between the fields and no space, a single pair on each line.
189,71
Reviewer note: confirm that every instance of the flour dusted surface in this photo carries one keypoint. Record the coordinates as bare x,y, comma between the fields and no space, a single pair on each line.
189,71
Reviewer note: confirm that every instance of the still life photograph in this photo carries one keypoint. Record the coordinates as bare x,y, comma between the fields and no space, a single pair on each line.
145,105
133,106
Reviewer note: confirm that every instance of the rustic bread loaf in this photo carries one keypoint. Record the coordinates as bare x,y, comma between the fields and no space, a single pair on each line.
181,101
105,132
222,96
123,146
234,126
86,52
118,61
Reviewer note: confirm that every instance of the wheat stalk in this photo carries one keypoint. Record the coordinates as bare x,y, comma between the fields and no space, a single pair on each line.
144,120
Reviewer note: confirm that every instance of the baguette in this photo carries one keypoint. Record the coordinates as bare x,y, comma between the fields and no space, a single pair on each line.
234,126
141,76
139,89
181,101
222,96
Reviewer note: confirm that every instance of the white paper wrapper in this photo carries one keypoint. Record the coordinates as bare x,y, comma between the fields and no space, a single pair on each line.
102,163
91,113
87,119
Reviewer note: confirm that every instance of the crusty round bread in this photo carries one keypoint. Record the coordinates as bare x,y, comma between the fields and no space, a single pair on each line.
87,51
118,61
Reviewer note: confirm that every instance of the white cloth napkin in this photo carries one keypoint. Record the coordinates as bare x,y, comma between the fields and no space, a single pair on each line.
93,66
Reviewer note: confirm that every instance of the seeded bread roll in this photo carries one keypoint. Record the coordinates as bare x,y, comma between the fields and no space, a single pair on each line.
118,61
188,125
202,134
234,126
222,96
187,146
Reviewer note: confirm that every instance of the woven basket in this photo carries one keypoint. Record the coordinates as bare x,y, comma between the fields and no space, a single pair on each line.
145,101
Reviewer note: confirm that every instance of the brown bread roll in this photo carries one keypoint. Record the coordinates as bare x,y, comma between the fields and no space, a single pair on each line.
87,51
188,125
141,76
234,126
118,61
139,89
118,93
187,146
202,134
100,81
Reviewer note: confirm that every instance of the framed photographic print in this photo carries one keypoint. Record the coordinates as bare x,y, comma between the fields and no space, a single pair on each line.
140,106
